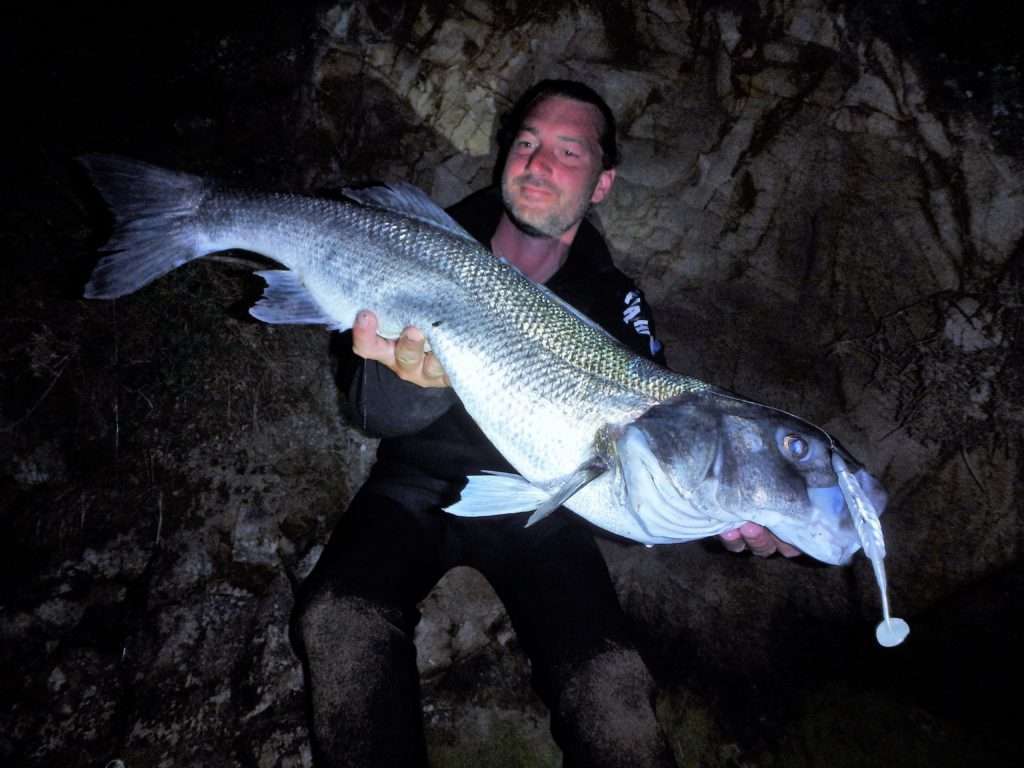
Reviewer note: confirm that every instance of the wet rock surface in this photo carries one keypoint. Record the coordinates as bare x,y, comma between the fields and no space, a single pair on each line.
825,205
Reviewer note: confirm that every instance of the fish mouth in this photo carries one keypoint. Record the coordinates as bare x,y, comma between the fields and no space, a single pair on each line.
829,535
824,528
693,467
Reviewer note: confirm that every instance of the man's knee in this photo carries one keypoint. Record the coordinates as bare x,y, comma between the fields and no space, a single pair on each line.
326,625
605,713
362,682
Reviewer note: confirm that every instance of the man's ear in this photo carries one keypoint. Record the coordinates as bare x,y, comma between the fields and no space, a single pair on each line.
603,186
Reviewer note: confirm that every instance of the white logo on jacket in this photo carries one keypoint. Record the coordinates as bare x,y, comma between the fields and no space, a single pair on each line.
633,315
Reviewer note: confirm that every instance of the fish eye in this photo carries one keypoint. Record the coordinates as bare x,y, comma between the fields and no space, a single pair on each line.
796,447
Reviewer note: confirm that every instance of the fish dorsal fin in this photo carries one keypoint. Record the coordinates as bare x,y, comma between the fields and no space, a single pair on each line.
411,201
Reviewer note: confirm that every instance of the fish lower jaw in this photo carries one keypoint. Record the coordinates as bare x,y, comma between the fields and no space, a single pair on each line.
820,547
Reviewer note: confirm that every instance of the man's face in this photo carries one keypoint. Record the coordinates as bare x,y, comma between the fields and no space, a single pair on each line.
553,171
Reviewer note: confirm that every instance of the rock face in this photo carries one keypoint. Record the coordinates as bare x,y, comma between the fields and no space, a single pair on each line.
823,207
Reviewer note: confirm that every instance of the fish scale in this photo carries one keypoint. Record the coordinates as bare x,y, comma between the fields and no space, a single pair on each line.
487,300
634,448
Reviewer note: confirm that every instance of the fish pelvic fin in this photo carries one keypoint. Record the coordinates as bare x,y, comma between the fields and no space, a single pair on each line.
153,208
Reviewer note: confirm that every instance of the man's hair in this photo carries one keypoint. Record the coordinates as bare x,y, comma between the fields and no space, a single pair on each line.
570,89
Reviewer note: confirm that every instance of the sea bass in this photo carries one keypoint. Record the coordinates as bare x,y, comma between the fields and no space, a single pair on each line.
636,449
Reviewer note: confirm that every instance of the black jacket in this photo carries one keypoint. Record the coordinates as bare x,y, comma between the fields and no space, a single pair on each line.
429,442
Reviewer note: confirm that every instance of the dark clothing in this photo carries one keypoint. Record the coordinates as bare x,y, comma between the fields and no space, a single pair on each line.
356,613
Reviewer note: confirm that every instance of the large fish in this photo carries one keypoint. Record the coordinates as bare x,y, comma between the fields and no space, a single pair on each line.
636,449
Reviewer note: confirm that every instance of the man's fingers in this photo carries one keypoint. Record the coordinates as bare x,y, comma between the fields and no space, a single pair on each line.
733,541
367,344
433,371
409,350
758,539
414,364
788,550
761,542
406,356
764,543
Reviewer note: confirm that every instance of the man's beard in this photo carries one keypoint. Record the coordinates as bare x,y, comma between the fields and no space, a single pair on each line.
549,223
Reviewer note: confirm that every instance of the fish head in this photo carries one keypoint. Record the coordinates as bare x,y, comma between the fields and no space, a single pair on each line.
702,464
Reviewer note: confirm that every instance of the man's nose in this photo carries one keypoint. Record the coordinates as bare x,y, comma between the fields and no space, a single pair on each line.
539,160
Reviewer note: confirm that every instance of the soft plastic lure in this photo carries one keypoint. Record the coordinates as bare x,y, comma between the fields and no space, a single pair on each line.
891,631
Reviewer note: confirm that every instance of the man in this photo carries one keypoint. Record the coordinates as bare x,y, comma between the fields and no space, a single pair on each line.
356,613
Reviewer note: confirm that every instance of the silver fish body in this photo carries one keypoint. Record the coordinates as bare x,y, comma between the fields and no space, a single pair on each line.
636,449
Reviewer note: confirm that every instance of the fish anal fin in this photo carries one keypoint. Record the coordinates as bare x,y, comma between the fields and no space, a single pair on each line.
286,300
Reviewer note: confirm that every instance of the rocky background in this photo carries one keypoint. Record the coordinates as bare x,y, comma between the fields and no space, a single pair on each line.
823,200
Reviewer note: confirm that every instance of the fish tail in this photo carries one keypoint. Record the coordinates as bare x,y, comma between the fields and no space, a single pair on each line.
154,223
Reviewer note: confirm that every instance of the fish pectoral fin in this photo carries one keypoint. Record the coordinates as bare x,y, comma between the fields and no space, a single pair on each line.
497,493
286,300
503,493
584,474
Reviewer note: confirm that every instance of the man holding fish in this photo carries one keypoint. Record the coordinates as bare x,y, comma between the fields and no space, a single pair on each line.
356,613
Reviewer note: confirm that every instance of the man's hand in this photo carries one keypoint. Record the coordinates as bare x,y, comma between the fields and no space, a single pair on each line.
758,539
405,357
